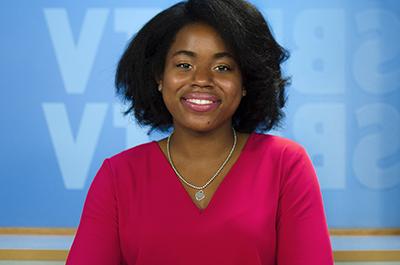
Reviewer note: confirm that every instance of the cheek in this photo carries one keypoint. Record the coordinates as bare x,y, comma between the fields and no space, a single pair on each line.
233,87
169,98
173,83
229,80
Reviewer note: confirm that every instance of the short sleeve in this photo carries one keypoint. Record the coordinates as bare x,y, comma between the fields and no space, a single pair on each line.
302,231
97,240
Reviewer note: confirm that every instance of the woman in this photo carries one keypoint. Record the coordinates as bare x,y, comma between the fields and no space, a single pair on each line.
214,191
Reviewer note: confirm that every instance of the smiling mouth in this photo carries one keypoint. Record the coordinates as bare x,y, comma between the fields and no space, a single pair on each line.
200,101
200,105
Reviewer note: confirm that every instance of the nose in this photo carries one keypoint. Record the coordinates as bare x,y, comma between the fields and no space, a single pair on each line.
202,76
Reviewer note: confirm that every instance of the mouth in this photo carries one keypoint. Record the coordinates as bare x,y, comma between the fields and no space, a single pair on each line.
200,104
199,101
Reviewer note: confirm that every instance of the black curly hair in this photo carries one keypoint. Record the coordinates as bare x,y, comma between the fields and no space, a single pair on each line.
243,29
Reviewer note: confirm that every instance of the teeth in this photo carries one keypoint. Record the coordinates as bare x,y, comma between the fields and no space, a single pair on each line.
199,101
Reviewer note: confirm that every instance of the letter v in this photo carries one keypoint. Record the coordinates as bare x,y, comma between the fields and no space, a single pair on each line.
75,60
74,155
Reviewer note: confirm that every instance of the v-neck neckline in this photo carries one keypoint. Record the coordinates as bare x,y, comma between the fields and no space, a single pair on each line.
203,211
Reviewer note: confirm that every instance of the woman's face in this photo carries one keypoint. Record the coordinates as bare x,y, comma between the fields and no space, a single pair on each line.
201,82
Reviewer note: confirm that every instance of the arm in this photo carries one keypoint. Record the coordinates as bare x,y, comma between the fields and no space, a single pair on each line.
97,240
302,232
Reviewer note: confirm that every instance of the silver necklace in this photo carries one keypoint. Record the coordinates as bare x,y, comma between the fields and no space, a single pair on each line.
200,193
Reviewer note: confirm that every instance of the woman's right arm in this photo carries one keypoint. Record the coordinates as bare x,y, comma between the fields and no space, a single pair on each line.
97,239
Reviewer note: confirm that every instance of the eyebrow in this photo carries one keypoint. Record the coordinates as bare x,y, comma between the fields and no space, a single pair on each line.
193,54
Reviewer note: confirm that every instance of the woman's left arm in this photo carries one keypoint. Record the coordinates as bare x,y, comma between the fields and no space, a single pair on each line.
302,231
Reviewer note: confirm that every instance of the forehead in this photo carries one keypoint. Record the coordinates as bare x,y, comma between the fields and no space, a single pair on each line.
199,38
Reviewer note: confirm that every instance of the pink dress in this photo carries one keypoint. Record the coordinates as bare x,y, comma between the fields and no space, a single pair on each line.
268,210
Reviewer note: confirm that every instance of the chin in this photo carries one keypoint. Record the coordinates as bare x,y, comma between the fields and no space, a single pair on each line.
205,127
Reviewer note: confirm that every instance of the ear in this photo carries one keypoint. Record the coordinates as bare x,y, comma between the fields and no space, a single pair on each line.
160,85
244,91
158,78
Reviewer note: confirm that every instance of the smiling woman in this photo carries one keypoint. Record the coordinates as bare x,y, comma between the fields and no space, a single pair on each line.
214,191
201,83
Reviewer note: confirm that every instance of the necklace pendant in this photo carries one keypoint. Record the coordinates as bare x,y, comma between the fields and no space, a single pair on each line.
200,195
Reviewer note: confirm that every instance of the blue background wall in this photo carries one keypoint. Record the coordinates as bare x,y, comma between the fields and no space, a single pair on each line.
60,117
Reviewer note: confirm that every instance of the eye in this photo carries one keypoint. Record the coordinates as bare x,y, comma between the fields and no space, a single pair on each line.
184,66
222,68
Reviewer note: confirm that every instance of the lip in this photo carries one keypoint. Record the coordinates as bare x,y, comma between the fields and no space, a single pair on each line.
200,107
204,96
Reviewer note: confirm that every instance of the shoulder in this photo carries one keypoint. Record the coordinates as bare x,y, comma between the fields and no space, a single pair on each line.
136,155
290,157
276,144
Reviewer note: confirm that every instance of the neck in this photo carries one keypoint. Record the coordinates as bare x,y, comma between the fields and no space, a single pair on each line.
193,145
